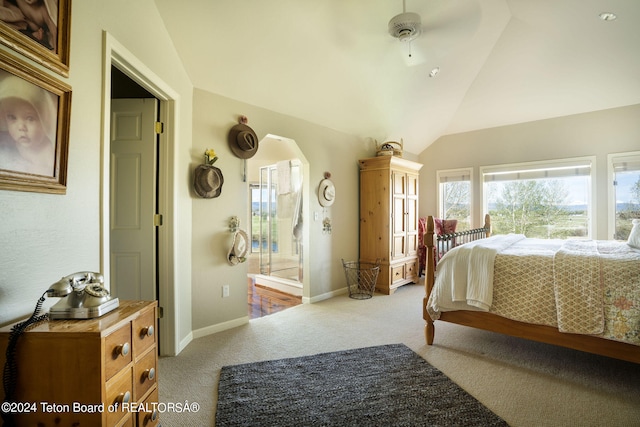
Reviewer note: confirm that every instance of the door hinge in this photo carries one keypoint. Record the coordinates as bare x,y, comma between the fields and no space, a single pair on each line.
160,312
157,220
159,127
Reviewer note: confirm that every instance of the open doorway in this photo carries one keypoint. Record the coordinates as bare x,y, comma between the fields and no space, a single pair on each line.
133,190
116,55
133,199
277,182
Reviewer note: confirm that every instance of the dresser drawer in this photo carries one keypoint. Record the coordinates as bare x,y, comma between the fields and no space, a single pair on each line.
117,350
118,391
144,332
127,422
149,418
144,374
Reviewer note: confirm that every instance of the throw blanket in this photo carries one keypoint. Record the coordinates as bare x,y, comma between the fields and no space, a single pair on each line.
578,287
472,273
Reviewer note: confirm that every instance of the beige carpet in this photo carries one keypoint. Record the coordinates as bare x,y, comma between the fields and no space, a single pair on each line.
525,383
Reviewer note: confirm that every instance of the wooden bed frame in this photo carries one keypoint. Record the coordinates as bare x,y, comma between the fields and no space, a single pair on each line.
495,323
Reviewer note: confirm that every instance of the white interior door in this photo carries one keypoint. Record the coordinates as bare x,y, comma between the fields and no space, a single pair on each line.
133,198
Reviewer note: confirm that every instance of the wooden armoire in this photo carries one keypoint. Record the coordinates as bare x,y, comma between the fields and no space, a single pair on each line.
389,219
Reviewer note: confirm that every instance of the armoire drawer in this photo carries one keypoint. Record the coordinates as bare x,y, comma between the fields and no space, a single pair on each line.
397,273
411,270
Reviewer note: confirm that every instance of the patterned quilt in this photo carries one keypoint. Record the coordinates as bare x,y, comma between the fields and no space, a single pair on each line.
579,286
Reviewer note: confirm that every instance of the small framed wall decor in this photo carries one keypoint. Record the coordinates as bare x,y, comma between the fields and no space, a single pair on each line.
35,114
39,30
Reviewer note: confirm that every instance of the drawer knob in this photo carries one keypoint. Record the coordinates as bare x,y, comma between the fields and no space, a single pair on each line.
153,416
148,331
123,349
124,397
149,374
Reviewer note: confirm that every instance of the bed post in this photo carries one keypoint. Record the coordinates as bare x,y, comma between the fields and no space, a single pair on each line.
487,225
429,279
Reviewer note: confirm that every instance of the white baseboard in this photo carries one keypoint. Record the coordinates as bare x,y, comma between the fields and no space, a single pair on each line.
219,327
322,297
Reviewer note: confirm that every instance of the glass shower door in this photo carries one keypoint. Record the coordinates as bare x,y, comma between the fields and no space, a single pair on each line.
267,212
281,220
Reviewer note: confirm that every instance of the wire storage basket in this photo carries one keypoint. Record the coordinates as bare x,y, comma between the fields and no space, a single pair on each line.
361,278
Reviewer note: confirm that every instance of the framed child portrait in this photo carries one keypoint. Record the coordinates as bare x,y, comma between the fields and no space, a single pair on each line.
35,114
39,30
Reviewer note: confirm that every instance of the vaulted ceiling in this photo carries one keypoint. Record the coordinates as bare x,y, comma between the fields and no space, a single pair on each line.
333,62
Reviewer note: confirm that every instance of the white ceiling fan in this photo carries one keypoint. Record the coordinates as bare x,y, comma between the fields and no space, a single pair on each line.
406,26
447,25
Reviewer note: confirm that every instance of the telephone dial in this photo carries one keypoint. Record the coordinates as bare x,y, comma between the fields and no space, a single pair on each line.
83,296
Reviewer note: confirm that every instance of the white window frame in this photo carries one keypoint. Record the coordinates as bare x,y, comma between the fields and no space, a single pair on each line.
455,174
612,159
556,164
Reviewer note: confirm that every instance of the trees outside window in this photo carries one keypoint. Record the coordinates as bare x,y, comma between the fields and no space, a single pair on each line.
454,196
543,200
626,192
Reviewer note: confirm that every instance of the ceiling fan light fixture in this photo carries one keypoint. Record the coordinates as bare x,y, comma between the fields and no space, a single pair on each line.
608,16
405,26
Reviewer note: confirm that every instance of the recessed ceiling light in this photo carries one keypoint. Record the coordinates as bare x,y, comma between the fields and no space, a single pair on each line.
434,72
608,16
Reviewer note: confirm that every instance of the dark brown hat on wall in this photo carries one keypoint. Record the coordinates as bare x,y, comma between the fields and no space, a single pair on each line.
243,141
207,181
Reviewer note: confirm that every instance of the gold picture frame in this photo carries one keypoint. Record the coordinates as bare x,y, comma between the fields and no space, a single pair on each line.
35,116
40,32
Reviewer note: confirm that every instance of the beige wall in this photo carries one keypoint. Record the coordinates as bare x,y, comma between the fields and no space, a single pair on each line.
44,237
325,149
591,134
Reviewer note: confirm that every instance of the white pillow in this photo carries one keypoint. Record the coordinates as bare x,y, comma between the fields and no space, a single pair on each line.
634,236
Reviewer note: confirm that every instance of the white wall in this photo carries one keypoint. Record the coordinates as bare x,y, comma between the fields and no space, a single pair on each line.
44,237
591,134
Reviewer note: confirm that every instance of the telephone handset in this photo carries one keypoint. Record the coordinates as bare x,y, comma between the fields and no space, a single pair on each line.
83,297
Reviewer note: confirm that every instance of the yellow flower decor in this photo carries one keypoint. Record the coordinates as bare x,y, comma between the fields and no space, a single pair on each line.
210,156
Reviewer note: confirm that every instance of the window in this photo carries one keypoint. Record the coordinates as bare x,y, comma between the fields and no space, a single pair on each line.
624,199
551,199
454,196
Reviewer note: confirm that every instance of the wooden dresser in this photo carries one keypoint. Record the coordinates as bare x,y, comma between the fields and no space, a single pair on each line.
389,219
85,372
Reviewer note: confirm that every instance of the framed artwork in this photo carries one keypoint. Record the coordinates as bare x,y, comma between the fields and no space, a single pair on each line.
39,30
35,114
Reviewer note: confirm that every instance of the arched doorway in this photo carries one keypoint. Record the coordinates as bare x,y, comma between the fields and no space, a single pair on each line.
277,187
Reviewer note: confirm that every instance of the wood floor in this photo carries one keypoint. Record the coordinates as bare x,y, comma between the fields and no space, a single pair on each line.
263,301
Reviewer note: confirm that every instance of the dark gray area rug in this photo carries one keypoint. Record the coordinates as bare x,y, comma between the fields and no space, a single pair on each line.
387,385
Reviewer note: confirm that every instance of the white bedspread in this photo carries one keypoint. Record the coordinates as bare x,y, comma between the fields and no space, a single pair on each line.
469,270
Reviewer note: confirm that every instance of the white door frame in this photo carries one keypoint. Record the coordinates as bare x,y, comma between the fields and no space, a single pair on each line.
117,55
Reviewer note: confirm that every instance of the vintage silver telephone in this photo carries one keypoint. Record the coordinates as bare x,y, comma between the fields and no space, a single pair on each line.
83,297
